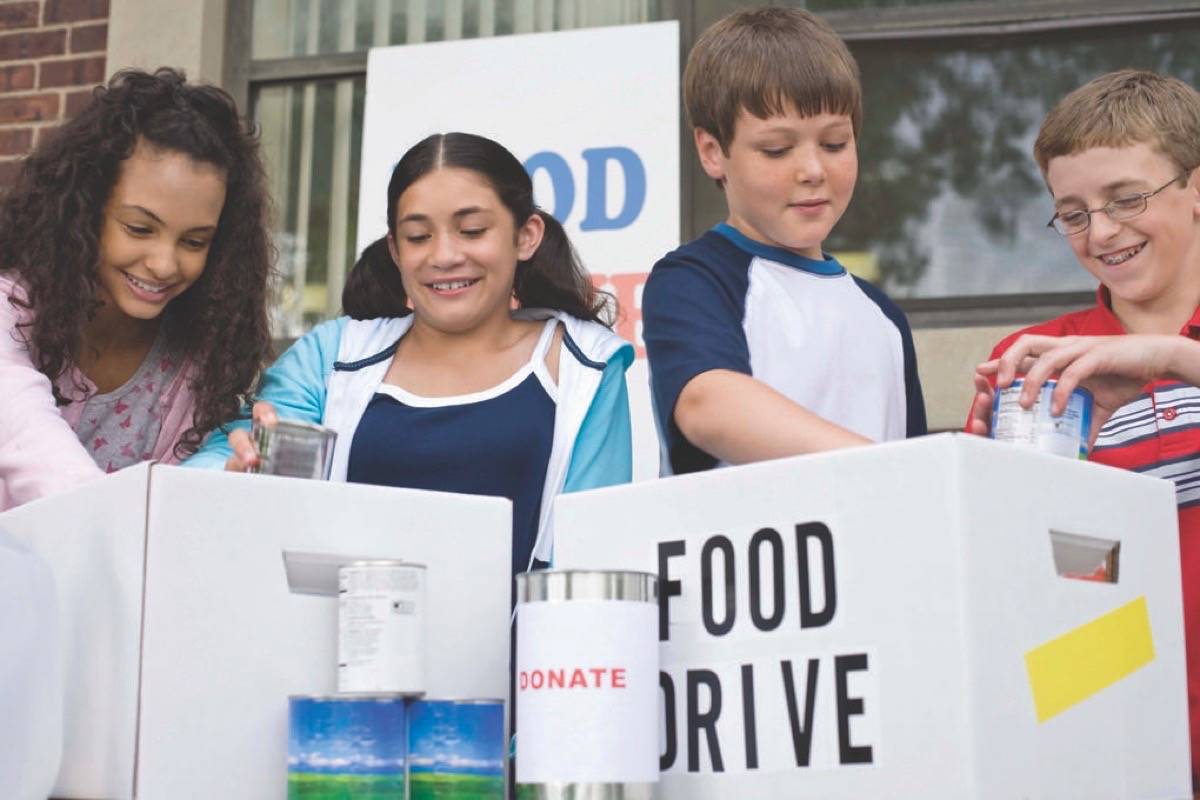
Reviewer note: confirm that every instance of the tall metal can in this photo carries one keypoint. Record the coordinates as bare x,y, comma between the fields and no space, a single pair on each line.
381,627
347,747
1065,434
456,748
294,449
587,685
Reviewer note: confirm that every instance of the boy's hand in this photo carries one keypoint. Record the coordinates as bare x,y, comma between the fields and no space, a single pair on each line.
245,454
1113,368
980,423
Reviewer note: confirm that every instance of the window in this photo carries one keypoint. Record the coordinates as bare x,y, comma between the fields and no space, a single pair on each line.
306,82
949,211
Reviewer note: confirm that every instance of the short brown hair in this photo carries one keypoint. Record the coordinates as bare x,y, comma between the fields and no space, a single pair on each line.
1124,108
761,60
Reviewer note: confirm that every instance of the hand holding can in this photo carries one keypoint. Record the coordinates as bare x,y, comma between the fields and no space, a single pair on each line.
1038,427
293,449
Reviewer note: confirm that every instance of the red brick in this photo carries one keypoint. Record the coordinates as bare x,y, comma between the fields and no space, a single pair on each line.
30,108
76,102
15,141
8,172
18,15
75,72
89,38
45,132
74,10
16,78
32,45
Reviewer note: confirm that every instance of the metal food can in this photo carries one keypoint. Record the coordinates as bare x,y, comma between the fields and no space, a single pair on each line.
381,627
456,748
587,685
347,747
1066,434
294,449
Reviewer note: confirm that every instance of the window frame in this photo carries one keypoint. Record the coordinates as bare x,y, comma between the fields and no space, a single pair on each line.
243,76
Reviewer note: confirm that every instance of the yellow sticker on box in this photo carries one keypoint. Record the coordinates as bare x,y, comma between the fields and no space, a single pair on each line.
1071,668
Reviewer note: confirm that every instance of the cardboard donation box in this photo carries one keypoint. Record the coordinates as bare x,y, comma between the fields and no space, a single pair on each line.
192,603
947,618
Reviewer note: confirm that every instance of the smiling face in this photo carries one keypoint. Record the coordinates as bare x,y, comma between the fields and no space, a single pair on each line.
787,178
158,226
457,248
1146,262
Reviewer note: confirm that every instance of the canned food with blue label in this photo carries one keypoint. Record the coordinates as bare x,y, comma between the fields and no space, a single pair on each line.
1065,434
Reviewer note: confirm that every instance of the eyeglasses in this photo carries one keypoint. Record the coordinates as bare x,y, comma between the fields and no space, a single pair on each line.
1069,223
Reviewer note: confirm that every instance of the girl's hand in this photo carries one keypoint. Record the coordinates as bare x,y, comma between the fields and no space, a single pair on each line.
1115,369
245,454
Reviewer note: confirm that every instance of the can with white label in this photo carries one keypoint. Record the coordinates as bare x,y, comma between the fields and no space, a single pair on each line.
381,627
587,685
294,449
1065,434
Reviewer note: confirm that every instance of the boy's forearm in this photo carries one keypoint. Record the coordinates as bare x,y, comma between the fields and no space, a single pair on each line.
739,420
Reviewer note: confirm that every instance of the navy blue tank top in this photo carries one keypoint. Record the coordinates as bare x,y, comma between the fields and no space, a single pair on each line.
495,442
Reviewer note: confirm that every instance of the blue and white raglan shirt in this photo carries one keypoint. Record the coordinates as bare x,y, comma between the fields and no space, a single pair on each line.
810,330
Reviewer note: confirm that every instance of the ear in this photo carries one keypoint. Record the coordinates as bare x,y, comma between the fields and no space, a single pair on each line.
393,251
1193,186
712,157
529,236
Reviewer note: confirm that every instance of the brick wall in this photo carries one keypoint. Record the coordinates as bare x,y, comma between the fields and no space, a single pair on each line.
51,54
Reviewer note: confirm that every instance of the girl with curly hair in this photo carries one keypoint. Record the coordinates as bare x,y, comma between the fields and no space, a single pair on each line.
134,263
434,380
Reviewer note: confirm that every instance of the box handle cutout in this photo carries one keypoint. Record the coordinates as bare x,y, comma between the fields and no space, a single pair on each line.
1085,558
317,573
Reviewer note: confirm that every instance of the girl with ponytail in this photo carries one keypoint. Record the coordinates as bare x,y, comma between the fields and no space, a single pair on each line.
474,356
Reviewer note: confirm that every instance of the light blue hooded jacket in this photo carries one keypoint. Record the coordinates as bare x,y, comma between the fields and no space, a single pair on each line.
330,375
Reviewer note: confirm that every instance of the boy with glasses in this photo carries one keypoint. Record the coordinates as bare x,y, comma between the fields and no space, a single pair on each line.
1121,158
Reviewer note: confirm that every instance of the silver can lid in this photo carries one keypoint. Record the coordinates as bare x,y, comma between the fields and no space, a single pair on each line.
352,697
382,562
296,425
571,584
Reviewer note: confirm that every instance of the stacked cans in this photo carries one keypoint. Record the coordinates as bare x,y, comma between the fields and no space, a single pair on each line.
381,628
376,738
395,748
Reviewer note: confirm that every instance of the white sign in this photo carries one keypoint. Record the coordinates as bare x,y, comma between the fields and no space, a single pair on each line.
897,621
594,116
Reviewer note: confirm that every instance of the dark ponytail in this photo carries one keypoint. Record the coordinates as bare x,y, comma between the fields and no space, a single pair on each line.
373,287
553,278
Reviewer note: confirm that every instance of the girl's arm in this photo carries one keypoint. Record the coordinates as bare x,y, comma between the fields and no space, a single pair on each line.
39,452
294,385
603,452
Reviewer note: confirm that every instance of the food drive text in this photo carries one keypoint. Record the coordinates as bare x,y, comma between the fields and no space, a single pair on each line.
755,594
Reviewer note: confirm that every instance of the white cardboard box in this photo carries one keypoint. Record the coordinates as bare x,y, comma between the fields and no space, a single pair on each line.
933,663
181,638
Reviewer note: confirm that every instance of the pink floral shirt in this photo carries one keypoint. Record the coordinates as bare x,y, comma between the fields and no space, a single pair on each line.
119,428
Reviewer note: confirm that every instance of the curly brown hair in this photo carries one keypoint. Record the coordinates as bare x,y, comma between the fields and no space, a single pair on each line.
51,217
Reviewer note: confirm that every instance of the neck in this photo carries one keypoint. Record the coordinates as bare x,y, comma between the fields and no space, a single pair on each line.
111,330
494,335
